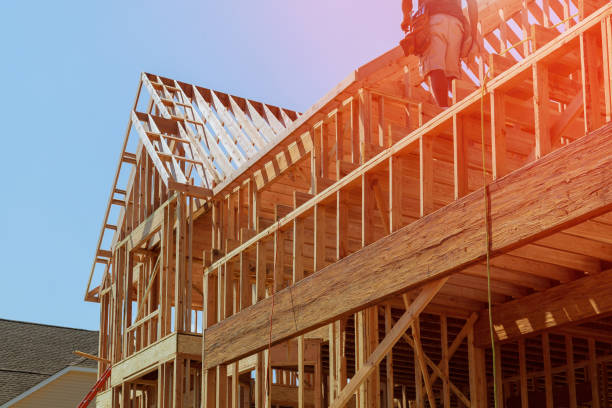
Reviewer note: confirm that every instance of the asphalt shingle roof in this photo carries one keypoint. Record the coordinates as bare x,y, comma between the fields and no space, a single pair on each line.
31,353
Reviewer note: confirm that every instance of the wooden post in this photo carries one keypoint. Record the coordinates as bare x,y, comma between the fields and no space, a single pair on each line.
354,124
318,380
426,174
342,224
418,377
590,82
365,139
541,109
389,357
373,383
302,380
332,370
209,383
259,380
445,357
460,156
315,159
177,379
228,290
593,374
360,356
523,374
160,387
367,210
604,372
498,134
477,367
236,386
245,282
418,349
298,249
279,260
395,192
571,374
548,386
340,329
221,392
499,383
320,236
260,271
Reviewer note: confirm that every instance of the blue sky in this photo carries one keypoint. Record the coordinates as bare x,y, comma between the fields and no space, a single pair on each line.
70,71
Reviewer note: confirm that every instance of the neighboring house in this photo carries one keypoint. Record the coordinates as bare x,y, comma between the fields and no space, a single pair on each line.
38,367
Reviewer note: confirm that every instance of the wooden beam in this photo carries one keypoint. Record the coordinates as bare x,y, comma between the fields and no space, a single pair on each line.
448,239
518,70
523,374
478,373
302,380
445,360
499,387
396,333
389,365
190,190
460,157
593,374
573,302
91,357
541,109
498,134
571,374
426,174
548,380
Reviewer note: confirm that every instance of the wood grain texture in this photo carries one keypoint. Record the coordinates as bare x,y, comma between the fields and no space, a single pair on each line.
560,190
572,302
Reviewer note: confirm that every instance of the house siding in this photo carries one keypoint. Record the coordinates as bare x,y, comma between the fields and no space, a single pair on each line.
66,391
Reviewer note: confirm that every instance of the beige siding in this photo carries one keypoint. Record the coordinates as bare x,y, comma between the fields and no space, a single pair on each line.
66,391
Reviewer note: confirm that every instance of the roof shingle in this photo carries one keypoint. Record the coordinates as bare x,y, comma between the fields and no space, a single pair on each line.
31,353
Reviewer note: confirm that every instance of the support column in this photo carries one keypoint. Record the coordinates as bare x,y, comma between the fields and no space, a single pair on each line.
478,377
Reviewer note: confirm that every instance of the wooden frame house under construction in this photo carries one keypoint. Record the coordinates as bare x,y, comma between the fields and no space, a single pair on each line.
348,255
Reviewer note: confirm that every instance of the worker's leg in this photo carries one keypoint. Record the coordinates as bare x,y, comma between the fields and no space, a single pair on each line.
453,51
439,87
438,62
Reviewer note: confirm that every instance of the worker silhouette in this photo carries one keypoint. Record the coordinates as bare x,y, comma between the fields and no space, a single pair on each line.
440,35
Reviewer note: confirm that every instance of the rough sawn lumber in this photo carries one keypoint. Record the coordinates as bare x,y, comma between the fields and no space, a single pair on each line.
560,190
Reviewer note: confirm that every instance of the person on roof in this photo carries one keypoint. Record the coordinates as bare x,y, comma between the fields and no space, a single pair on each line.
450,37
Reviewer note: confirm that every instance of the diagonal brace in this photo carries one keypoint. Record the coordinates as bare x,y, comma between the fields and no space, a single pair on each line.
385,346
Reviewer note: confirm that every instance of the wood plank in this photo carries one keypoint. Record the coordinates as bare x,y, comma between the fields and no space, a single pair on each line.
460,158
576,301
571,374
445,240
501,80
593,374
477,374
523,374
426,174
498,132
541,109
389,359
499,385
445,362
548,380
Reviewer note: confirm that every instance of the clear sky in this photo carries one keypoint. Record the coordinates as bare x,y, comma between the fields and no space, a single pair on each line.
69,72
